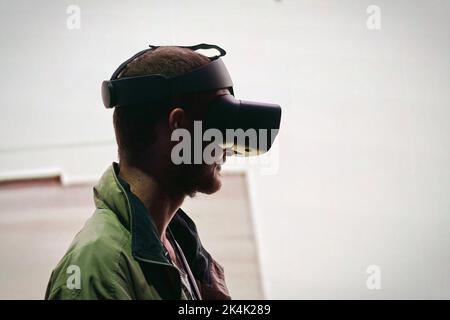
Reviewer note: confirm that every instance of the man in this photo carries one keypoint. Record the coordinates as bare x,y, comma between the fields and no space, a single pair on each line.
139,244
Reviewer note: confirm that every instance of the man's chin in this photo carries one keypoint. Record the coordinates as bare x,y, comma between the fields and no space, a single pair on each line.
208,184
206,187
212,188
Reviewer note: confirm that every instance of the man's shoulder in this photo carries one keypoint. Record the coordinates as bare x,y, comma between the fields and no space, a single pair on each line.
96,252
102,230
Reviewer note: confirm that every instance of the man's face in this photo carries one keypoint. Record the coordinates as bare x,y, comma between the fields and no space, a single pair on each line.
204,178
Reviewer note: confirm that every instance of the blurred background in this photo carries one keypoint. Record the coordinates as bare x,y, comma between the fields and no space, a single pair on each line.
353,201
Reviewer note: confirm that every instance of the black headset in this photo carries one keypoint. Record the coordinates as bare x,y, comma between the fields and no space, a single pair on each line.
225,111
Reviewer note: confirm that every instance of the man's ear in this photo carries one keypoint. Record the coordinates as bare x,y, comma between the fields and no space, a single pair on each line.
177,119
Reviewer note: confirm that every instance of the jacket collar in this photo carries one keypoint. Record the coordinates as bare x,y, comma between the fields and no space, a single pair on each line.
113,193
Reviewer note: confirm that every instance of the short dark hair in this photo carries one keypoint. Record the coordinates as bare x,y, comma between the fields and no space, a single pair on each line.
134,126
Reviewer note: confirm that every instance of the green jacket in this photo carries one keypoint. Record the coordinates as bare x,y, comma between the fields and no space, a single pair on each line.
118,254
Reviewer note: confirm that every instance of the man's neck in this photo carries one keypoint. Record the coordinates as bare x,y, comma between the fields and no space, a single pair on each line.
160,203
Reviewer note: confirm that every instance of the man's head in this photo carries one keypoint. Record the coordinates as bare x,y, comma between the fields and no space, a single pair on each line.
143,133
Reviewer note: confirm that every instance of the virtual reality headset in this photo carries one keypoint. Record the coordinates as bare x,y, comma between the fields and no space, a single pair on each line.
225,112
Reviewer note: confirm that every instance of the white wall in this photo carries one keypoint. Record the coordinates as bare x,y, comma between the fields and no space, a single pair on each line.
363,164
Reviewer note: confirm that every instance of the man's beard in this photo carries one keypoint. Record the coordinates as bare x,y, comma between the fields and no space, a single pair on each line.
201,178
